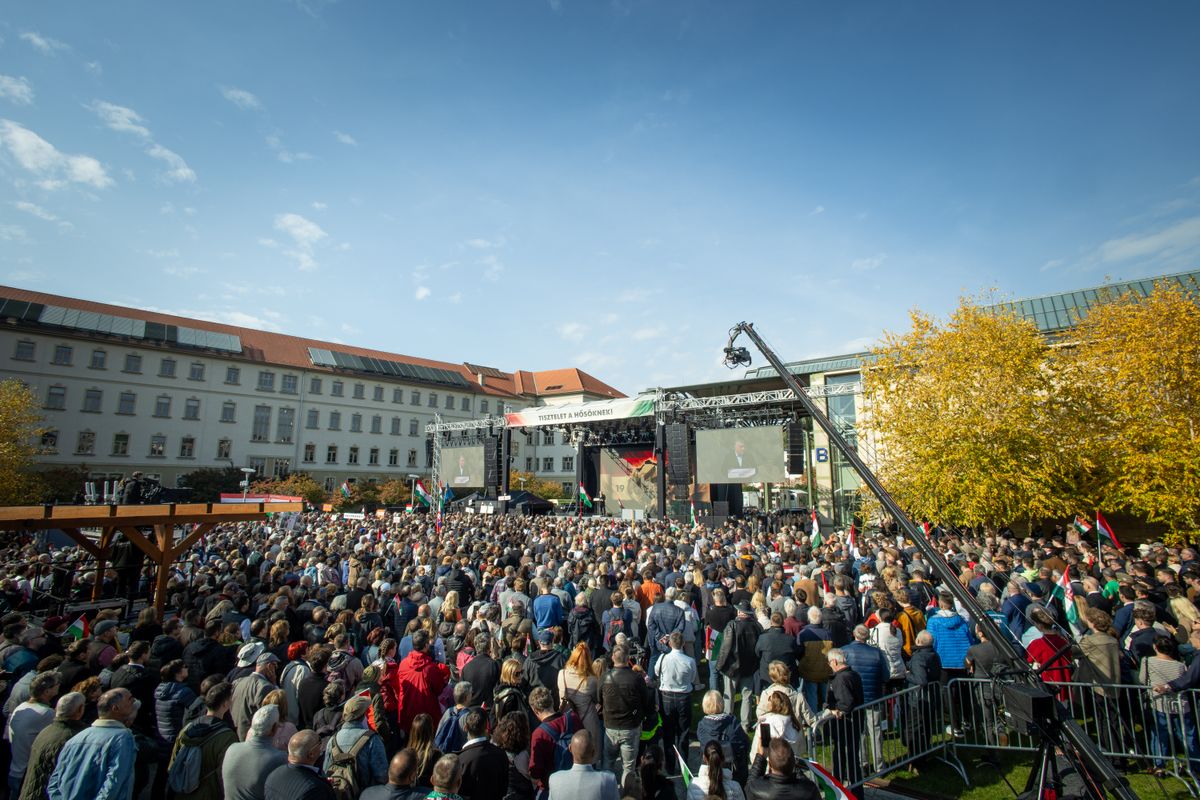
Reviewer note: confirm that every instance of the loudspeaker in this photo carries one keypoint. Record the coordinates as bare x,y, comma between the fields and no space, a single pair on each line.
428,453
796,460
678,469
720,508
491,456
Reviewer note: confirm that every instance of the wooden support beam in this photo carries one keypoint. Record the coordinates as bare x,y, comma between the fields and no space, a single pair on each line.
103,552
166,536
145,545
184,544
76,536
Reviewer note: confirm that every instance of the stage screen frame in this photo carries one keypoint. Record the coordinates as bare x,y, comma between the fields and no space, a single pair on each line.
764,459
472,474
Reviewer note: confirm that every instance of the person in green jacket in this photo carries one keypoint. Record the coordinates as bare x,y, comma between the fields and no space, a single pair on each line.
68,721
213,735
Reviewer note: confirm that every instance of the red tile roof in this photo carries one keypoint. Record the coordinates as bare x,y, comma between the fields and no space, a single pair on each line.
286,350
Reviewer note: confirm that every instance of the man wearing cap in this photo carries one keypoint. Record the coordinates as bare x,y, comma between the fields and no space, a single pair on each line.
371,765
102,649
248,692
247,654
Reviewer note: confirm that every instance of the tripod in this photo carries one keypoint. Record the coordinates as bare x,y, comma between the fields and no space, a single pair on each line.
1045,780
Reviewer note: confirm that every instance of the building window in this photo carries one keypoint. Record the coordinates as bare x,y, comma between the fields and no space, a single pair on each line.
63,354
412,458
281,467
359,391
568,463
166,368
158,445
290,384
329,481
162,406
187,447
465,405
373,457
133,363
126,403
432,400
99,359
548,464
335,420
120,444
286,426
397,395
56,398
85,443
24,352
92,400
376,424
312,419
548,437
449,402
337,389
229,411
413,427
191,408
314,386
528,464
310,453
233,376
260,431
396,423
393,458
352,458
49,441
331,454
414,398
377,394
356,423
483,406
266,381
224,448
258,464
196,371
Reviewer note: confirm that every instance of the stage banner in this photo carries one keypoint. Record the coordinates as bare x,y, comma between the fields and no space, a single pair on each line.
600,410
628,478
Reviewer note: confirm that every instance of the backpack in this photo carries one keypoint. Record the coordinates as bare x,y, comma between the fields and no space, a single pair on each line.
507,700
615,625
343,768
562,743
582,626
450,736
183,776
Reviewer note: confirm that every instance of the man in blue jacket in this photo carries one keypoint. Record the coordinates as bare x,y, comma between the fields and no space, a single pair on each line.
97,763
871,665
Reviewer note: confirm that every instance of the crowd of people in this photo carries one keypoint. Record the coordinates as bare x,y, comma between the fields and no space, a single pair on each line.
317,658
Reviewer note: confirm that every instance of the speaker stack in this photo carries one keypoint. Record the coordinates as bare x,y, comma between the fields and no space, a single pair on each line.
797,463
678,469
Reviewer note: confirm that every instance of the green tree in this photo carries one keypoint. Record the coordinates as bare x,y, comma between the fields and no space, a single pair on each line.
395,492
62,484
207,483
296,484
363,494
529,482
20,429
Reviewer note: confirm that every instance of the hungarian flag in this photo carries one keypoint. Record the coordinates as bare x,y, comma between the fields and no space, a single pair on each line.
583,496
79,628
693,513
1064,592
1102,526
345,488
827,785
684,772
1080,524
925,526
852,539
423,495
815,538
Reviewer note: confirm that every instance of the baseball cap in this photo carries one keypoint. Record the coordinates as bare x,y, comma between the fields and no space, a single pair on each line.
104,627
266,658
355,708
545,636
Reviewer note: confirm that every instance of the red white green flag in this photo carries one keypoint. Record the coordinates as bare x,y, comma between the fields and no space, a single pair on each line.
1064,592
1080,524
583,496
828,785
423,495
1103,527
79,628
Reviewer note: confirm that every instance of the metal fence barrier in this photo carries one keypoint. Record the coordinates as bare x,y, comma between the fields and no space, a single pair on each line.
1134,727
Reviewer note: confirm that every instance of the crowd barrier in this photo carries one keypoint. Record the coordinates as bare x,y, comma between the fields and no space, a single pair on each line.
1135,728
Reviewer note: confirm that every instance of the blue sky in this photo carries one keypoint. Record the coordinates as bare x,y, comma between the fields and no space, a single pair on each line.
608,185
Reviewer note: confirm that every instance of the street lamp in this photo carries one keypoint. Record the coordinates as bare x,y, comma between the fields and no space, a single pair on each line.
412,490
245,484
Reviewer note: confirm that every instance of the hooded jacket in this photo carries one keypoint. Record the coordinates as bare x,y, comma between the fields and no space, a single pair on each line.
951,638
419,682
213,737
542,668
171,700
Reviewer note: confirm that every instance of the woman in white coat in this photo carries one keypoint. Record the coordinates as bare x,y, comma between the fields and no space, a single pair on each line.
714,779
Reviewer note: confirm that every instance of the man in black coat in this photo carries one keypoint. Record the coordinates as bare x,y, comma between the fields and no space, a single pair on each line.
738,660
401,774
775,645
922,713
482,672
310,693
773,776
299,779
207,656
845,695
484,765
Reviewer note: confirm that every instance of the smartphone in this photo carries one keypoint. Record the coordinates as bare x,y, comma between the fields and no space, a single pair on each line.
764,734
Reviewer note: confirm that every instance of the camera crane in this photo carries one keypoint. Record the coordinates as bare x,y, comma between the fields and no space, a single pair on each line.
1059,731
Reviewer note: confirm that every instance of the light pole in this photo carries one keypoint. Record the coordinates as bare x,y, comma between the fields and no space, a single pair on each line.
246,473
412,490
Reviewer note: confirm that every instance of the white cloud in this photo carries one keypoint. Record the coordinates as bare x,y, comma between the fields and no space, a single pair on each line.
868,263
646,334
94,67
1183,235
268,242
42,214
305,235
319,206
345,138
172,253
817,210
43,159
422,292
226,317
12,233
485,244
455,298
126,120
596,361
44,44
181,271
572,331
634,296
493,267
283,154
240,97
16,90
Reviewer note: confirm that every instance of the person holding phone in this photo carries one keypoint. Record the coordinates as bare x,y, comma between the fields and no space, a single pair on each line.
778,723
773,775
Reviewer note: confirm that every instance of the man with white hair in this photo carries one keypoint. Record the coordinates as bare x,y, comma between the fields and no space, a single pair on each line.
68,721
247,764
845,695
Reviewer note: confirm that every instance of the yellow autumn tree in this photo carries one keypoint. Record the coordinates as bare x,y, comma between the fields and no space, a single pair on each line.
20,427
1132,368
964,416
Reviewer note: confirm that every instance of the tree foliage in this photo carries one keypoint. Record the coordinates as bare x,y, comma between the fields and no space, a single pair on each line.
395,492
62,484
207,483
20,427
296,484
529,482
966,416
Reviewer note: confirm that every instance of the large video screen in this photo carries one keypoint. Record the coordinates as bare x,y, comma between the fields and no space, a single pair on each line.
463,467
740,455
628,478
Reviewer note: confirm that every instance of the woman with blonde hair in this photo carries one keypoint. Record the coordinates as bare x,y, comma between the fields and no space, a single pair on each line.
450,612
286,727
420,741
580,690
277,639
781,681
759,603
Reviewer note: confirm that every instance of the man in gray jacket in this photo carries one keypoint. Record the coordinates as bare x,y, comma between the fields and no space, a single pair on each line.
247,764
248,692
583,781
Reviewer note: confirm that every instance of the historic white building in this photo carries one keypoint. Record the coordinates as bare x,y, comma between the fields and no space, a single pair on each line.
124,389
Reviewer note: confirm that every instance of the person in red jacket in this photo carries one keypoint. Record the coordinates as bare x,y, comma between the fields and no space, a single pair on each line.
419,682
388,680
543,758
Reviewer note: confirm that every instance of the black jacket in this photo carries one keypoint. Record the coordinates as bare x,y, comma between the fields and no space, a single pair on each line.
738,658
206,657
845,691
775,645
310,697
624,699
141,684
777,787
483,673
294,782
165,648
389,792
485,771
925,666
726,729
459,581
542,668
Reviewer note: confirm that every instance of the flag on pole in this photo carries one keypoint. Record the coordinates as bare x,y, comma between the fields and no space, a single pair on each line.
827,785
583,496
684,772
815,539
1064,592
79,628
1102,526
925,527
1080,524
345,488
693,513
852,540
423,495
